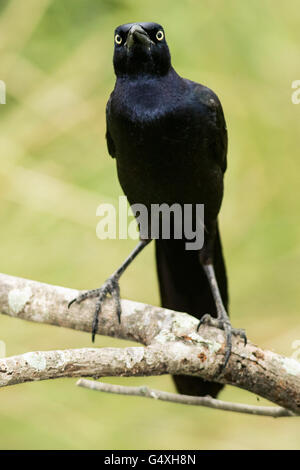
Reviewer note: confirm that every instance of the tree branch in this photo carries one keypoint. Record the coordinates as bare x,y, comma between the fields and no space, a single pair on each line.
143,391
172,345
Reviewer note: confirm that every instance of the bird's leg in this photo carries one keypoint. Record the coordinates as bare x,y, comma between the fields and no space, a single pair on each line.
222,321
110,287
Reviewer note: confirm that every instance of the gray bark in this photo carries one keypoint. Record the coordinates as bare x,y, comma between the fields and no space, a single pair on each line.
171,345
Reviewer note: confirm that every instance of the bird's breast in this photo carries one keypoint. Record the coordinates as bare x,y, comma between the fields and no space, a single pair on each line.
161,149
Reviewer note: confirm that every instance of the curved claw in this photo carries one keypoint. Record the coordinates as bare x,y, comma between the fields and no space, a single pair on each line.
102,296
72,302
228,333
228,330
118,308
95,325
243,335
110,287
94,332
204,319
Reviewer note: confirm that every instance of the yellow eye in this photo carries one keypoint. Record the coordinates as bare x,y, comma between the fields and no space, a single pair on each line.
159,35
118,39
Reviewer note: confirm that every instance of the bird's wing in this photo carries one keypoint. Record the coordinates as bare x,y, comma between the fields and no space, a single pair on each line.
110,143
214,118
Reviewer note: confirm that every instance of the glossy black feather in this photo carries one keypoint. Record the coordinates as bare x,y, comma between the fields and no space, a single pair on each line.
169,138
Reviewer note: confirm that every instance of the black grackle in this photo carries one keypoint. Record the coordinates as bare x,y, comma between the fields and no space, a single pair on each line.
169,138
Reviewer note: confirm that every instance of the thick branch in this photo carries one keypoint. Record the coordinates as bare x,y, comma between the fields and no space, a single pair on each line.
174,347
86,362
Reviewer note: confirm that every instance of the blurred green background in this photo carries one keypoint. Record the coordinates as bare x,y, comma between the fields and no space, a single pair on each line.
56,60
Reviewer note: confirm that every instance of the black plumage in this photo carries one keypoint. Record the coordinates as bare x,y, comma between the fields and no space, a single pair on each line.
169,138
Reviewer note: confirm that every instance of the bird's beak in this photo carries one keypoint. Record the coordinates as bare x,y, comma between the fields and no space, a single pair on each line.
138,35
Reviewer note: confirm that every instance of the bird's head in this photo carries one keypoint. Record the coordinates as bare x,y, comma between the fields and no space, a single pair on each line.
141,48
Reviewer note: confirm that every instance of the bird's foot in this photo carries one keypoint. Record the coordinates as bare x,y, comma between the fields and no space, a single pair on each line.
222,322
110,287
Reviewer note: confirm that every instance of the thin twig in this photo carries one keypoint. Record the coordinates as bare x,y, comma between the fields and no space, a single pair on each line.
144,391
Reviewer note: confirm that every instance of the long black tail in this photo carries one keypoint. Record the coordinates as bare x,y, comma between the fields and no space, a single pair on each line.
185,288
